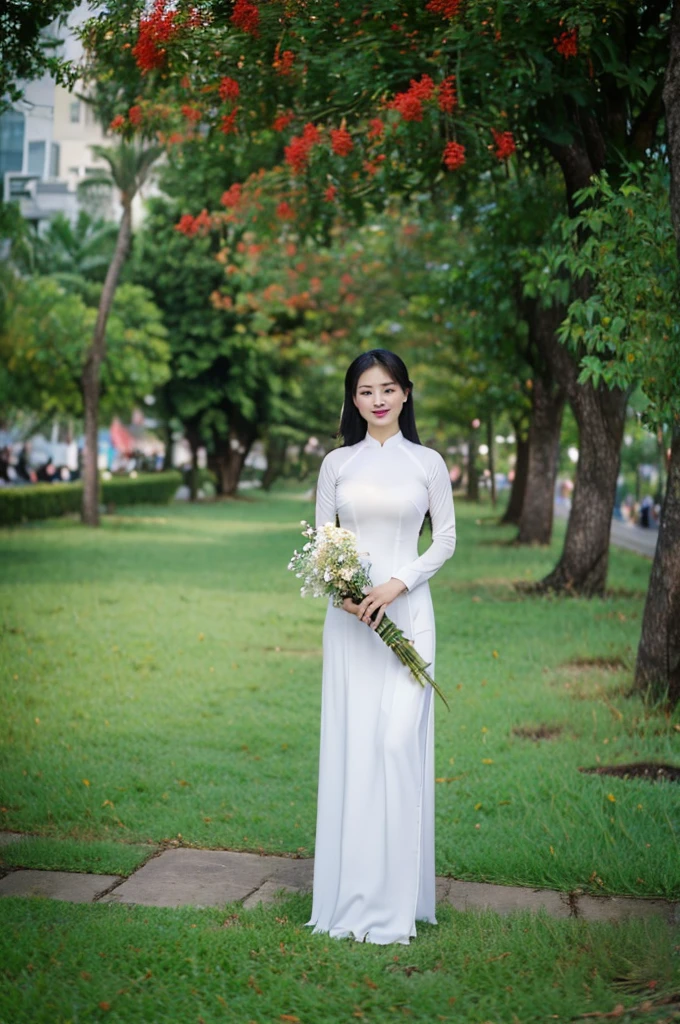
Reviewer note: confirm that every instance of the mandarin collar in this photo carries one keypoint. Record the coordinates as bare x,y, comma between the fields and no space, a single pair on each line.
372,442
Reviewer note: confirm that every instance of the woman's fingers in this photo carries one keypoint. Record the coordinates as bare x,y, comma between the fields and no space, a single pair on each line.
378,618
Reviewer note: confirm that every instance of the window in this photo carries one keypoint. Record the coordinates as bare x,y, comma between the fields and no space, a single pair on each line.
36,158
54,160
74,111
11,142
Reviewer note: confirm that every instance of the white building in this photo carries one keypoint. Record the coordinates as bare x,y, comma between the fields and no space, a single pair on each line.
45,141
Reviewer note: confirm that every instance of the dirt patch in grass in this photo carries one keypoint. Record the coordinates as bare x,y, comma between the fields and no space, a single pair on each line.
605,663
537,732
653,771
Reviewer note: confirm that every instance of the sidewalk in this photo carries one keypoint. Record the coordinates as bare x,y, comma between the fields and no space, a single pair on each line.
623,535
209,878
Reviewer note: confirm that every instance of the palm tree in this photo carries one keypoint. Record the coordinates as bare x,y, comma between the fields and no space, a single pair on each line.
128,168
82,248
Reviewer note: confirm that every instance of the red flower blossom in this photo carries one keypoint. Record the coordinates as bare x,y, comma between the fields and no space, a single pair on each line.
330,194
135,115
567,43
377,128
154,31
281,122
311,134
174,139
296,153
284,211
341,142
202,223
447,8
453,156
246,16
233,195
117,124
185,82
424,89
229,89
192,114
283,62
446,95
505,144
409,104
186,225
228,123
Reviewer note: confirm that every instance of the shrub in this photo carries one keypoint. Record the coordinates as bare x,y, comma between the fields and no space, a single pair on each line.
43,501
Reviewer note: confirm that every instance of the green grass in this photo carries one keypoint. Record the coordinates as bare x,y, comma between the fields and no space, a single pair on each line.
100,857
135,964
161,678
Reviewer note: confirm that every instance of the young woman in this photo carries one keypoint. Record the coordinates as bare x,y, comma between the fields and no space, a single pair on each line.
374,861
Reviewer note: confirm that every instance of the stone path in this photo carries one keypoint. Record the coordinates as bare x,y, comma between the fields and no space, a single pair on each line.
623,534
209,878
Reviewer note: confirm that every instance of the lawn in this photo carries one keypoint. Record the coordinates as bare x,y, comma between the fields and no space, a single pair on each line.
140,965
161,681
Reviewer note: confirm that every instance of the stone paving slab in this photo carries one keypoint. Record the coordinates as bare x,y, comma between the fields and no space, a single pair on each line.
267,893
503,899
10,837
618,908
58,885
207,878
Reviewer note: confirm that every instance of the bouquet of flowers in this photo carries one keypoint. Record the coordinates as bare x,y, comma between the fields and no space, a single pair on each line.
330,565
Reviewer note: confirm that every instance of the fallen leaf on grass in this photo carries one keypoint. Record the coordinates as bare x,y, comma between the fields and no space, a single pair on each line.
290,1017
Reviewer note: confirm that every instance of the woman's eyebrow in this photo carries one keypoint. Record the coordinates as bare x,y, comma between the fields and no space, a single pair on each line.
383,385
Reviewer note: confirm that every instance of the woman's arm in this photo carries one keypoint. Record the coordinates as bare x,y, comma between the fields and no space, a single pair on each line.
325,493
443,528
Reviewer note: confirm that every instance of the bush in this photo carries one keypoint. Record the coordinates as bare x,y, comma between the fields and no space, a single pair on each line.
38,501
43,501
146,489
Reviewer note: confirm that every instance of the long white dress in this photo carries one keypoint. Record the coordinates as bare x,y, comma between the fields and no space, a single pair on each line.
374,860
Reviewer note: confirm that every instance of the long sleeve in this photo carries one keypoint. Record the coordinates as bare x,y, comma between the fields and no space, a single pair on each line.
443,528
325,493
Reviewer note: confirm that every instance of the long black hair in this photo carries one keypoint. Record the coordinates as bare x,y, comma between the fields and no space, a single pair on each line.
353,426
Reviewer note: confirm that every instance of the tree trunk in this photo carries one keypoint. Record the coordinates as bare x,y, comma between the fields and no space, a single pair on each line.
671,99
167,457
91,376
514,510
657,670
582,568
276,454
536,521
472,471
491,461
194,443
228,459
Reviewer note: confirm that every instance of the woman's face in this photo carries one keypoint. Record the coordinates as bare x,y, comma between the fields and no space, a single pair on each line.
378,398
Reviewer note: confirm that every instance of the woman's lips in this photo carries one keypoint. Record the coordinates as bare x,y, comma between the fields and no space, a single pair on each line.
381,412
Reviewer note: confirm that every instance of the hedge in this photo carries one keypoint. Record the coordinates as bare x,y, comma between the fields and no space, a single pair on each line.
43,501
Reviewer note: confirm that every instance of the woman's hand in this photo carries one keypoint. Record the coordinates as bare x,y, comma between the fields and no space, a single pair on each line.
376,598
